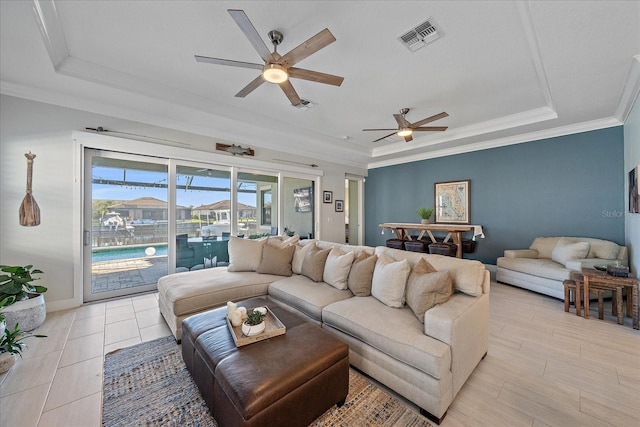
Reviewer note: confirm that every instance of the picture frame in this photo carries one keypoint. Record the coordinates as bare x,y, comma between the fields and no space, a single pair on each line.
339,205
634,190
451,201
327,197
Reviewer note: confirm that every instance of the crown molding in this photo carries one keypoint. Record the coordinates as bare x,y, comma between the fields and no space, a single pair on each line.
501,142
51,31
630,90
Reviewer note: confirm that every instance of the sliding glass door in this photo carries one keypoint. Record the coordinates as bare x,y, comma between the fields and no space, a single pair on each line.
125,224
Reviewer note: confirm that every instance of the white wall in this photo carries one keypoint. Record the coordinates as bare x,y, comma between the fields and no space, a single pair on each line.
631,160
54,246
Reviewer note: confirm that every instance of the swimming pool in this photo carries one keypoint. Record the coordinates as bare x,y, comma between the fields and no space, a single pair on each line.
127,253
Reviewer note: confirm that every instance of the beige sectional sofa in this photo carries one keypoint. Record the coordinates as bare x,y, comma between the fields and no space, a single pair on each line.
427,363
550,260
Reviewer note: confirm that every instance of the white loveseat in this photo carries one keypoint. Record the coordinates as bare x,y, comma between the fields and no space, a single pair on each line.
427,363
550,260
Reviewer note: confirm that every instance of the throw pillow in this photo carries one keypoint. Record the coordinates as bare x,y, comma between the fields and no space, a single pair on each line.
566,250
244,254
276,260
361,274
337,267
313,264
389,281
298,256
278,242
426,288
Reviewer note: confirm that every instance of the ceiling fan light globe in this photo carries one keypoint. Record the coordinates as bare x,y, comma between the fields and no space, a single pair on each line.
275,73
405,132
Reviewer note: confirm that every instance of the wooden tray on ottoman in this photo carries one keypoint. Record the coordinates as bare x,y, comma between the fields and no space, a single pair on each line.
273,328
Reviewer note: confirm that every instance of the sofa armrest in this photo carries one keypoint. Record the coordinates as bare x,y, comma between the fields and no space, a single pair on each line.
521,253
463,323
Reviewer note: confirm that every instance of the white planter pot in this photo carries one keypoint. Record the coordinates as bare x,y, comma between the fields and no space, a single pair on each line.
3,327
254,329
426,221
29,313
6,362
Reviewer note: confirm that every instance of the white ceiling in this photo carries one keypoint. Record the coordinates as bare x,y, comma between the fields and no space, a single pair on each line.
506,72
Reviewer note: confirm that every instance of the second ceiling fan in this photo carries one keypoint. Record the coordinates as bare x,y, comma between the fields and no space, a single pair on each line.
406,128
278,68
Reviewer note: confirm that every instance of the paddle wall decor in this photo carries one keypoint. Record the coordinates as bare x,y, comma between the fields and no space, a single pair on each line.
29,209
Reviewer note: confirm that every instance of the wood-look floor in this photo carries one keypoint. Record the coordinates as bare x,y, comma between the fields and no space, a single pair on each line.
544,367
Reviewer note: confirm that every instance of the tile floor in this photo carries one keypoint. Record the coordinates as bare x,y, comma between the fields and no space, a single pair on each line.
59,380
544,367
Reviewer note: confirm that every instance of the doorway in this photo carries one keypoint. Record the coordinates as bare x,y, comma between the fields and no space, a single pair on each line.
125,224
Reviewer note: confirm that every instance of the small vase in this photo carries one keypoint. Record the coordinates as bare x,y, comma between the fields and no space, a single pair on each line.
6,362
426,221
251,330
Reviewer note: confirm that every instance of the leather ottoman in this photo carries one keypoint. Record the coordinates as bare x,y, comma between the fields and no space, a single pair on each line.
288,380
416,246
395,243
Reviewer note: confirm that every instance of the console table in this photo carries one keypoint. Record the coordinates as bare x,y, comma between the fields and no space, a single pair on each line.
591,275
454,231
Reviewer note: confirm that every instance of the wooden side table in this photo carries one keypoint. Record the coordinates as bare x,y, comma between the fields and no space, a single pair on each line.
601,278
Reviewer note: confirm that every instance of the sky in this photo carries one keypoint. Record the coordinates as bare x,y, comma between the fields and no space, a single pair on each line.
184,197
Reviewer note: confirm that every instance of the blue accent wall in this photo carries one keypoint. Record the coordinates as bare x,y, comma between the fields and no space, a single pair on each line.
565,186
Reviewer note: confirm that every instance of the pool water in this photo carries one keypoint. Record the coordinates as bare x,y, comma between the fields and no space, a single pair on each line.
127,253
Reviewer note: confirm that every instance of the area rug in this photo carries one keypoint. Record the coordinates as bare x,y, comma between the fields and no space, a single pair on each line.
148,384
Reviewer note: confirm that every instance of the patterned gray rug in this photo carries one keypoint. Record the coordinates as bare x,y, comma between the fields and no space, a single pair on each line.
148,384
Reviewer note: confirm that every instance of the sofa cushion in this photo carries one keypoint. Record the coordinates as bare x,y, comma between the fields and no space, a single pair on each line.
313,264
305,295
540,267
389,281
396,332
299,254
276,260
426,288
467,275
544,246
602,249
361,274
566,250
195,291
337,267
245,254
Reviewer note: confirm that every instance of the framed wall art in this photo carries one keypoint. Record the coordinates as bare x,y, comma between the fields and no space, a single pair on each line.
302,199
339,205
634,190
452,202
327,196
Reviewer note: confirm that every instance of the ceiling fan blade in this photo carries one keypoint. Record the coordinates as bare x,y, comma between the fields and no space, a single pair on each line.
402,122
249,30
291,93
314,44
408,138
230,62
315,76
379,129
432,128
386,136
429,120
250,87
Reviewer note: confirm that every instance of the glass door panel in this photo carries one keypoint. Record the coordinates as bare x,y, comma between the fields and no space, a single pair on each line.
299,207
203,213
126,218
256,207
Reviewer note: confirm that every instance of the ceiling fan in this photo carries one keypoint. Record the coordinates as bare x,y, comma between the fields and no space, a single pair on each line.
276,68
406,128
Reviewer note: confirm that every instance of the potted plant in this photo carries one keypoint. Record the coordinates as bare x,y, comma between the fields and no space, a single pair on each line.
255,323
11,343
289,232
425,214
26,305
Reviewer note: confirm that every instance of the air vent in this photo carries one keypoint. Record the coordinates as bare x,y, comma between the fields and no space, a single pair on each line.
305,104
421,35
